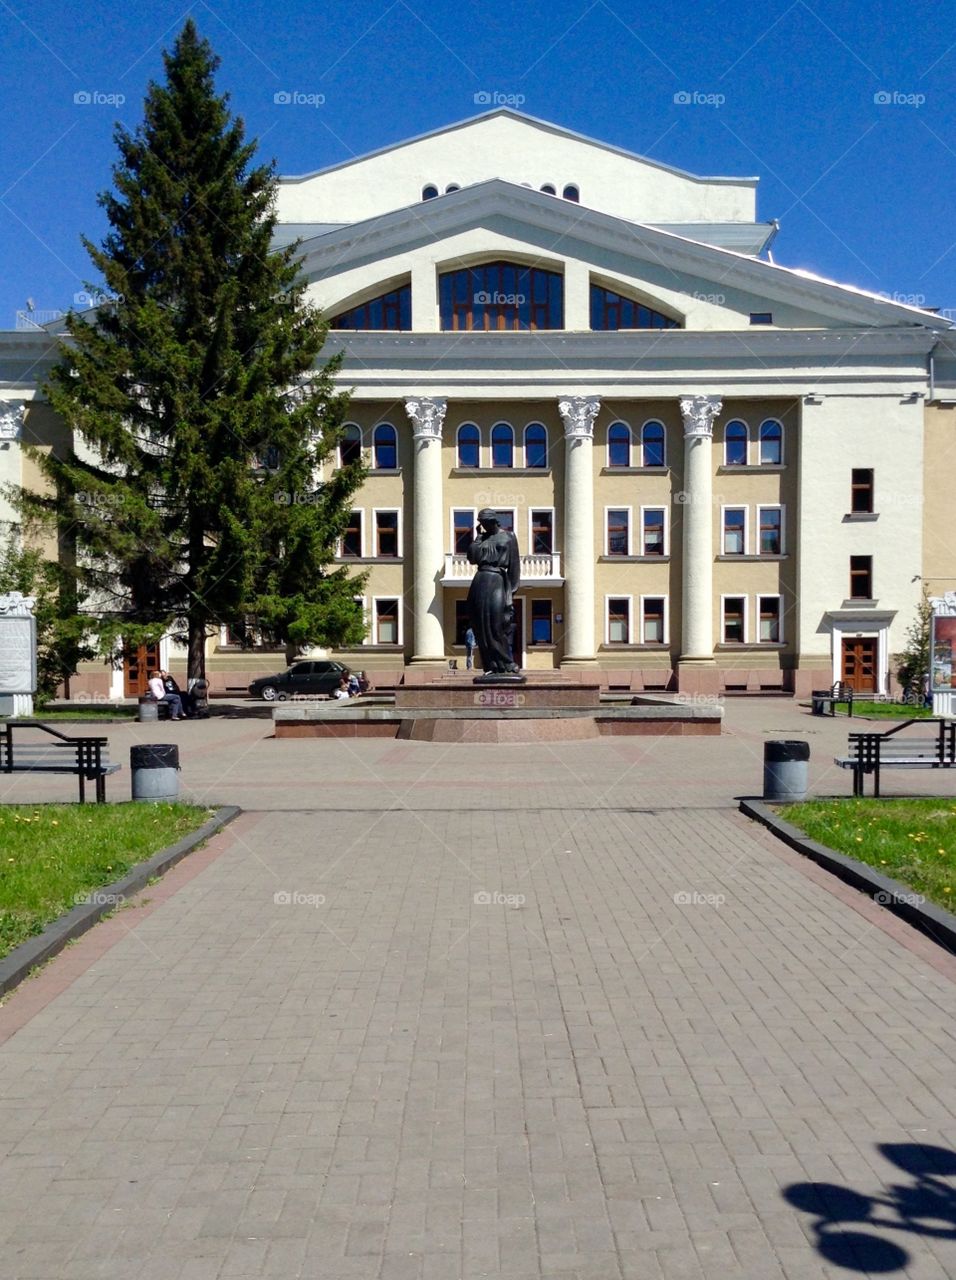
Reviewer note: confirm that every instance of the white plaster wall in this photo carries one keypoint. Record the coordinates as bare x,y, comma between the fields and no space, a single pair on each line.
518,151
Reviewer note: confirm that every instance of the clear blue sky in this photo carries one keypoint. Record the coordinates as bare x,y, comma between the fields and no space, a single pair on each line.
865,189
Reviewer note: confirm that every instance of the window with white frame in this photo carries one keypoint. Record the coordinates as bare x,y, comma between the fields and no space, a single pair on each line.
653,619
350,446
618,531
619,445
653,531
387,620
734,619
542,630
618,619
736,440
502,445
463,521
352,538
771,443
385,447
653,452
541,528
469,446
770,619
770,531
388,541
506,519
734,541
535,446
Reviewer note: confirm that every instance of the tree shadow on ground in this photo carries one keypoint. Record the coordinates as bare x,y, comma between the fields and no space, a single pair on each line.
925,1206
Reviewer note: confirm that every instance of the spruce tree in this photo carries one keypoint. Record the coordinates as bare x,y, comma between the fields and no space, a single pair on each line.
194,392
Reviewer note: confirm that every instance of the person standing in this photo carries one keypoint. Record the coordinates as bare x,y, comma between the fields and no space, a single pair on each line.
470,643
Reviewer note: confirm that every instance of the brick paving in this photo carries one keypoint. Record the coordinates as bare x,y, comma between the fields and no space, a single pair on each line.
388,1034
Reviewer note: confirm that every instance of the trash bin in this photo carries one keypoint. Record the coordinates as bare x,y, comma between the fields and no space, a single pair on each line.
148,710
155,771
785,769
817,704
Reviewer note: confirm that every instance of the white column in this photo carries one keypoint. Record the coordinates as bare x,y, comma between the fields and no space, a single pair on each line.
579,413
697,631
428,543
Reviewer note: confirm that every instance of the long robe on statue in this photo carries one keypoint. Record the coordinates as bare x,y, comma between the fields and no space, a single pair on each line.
491,597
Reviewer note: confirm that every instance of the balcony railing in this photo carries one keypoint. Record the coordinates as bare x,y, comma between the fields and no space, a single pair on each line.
538,570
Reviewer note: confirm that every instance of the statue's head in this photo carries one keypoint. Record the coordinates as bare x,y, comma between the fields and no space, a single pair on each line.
489,519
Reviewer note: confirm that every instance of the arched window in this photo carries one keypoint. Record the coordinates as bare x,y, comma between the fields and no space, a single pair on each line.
610,310
771,443
502,445
652,445
548,189
535,445
391,310
385,447
429,192
452,186
572,193
501,295
350,446
619,445
735,444
469,446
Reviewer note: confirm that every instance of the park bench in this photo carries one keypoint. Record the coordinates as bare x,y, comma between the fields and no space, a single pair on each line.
88,758
822,699
871,752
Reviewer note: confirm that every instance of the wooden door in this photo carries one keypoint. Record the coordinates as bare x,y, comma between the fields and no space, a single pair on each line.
137,664
859,665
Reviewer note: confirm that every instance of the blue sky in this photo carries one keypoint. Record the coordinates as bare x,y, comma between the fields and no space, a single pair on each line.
845,112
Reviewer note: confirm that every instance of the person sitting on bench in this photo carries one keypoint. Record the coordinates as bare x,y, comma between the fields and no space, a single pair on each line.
158,689
187,699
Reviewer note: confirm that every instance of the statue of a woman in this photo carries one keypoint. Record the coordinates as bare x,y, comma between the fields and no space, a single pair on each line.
490,598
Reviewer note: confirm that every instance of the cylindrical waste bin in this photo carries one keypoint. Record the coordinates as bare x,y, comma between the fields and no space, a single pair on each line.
785,770
817,704
155,771
148,710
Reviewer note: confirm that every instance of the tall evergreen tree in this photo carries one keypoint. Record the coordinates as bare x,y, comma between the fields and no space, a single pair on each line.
194,392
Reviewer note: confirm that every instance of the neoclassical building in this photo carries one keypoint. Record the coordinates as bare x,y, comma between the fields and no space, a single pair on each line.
722,473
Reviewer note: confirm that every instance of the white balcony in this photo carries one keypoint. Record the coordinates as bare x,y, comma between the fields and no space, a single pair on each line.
536,571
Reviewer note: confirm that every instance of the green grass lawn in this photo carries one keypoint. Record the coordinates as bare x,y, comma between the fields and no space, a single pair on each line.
913,841
888,710
51,855
87,713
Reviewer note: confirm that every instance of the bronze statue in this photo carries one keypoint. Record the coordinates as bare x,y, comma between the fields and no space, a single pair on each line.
491,596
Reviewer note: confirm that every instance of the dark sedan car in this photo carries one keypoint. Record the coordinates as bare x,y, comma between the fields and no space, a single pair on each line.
302,678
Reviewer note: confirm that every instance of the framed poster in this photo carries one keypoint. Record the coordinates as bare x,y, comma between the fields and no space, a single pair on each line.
943,654
18,654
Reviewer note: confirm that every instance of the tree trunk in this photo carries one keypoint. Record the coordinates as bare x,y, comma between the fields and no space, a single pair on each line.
196,658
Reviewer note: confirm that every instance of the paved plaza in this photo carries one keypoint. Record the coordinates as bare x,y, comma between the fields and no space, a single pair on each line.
444,1012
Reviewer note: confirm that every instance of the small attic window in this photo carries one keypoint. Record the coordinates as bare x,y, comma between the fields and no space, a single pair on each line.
429,192
572,193
761,317
548,189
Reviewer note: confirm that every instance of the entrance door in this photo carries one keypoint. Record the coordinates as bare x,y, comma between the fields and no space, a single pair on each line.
137,664
859,665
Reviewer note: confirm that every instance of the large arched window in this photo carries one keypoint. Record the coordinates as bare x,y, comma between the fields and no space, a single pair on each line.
388,311
535,445
771,443
619,445
501,295
502,445
469,446
385,447
610,311
652,445
350,446
736,437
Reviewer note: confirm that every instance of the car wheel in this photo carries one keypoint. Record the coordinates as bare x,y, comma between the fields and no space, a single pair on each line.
269,693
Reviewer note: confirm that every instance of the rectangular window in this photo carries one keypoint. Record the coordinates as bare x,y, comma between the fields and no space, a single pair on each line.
463,530
771,531
386,621
652,519
619,620
506,518
386,533
770,629
861,577
541,628
761,317
652,625
618,531
542,533
735,531
352,537
735,615
861,491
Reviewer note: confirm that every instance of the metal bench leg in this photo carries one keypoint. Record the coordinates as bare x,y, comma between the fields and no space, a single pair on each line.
82,787
101,788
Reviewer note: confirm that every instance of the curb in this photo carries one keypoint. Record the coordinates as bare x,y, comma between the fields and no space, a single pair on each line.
36,951
935,922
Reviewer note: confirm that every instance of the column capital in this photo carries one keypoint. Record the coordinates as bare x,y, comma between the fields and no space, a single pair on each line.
427,414
578,413
699,413
11,419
